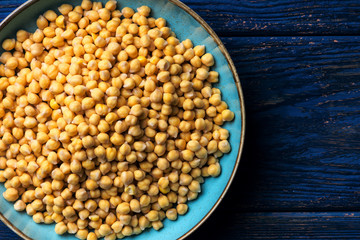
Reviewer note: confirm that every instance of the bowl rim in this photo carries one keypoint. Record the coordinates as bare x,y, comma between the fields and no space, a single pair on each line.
232,67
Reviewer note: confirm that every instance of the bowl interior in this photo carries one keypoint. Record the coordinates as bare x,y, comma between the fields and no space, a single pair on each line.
185,26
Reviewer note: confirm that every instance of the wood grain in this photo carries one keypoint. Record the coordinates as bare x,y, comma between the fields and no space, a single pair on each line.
279,17
302,137
281,225
267,18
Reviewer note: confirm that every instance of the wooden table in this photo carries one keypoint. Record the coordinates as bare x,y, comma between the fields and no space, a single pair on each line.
299,65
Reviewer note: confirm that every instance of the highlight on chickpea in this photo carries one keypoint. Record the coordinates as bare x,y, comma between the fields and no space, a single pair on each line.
108,123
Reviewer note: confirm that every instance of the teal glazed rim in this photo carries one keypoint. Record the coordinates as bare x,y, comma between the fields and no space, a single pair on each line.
236,81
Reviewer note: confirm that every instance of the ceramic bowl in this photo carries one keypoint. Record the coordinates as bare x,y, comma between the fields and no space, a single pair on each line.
186,24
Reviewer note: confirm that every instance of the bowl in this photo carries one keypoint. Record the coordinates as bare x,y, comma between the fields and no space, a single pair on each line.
186,24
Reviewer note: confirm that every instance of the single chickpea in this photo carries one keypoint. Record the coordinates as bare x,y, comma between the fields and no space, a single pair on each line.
227,115
157,225
185,179
87,103
22,35
11,194
181,209
144,11
123,208
127,231
105,230
74,16
193,145
199,50
60,228
187,155
195,186
213,77
208,59
111,5
8,44
224,146
50,15
91,236
127,12
12,63
152,216
171,214
36,49
65,9
163,201
202,74
68,212
127,177
214,170
82,233
19,205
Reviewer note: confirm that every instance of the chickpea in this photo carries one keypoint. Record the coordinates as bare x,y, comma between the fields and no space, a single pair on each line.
127,177
208,59
12,63
123,208
74,16
157,225
181,209
36,49
92,236
105,182
8,44
11,194
214,170
22,35
68,212
105,230
50,15
127,12
224,146
227,115
194,186
111,5
60,228
65,9
199,50
135,205
152,216
126,231
163,201
19,205
202,74
193,145
144,11
215,99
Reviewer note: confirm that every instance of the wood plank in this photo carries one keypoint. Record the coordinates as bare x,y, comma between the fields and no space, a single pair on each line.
270,18
302,136
267,18
275,225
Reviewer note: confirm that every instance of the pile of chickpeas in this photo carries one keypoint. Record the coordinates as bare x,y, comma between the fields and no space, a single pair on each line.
108,123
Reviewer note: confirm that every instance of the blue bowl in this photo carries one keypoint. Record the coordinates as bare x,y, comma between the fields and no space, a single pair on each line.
186,24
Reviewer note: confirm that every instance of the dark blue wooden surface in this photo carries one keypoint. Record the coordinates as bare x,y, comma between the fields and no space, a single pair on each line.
299,65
